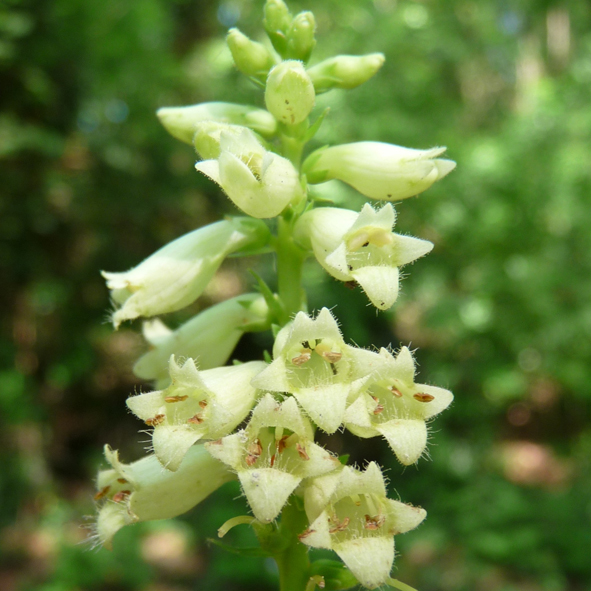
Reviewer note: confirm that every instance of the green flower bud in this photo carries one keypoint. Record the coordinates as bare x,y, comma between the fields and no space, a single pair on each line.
144,491
360,248
277,22
176,275
197,405
345,71
336,576
209,337
289,94
312,362
300,37
251,58
378,170
259,182
273,455
350,514
396,408
208,137
181,122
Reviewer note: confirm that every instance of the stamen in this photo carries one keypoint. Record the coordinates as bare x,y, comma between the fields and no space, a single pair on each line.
176,398
302,358
102,493
422,397
121,495
154,421
339,525
195,419
396,392
302,451
373,523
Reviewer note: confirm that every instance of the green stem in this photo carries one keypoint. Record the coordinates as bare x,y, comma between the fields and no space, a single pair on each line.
293,562
290,259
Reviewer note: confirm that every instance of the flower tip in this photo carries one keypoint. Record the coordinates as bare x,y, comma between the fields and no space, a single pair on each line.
444,167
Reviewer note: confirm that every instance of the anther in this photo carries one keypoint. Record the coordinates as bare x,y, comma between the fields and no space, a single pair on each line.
422,397
154,421
176,398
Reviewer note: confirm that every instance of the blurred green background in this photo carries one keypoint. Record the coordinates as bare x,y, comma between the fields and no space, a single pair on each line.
500,311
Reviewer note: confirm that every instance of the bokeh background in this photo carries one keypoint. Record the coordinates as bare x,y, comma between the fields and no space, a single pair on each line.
500,311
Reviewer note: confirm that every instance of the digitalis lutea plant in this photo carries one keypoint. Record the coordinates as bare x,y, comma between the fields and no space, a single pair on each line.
255,422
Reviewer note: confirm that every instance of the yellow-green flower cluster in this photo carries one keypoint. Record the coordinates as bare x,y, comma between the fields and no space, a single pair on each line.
256,421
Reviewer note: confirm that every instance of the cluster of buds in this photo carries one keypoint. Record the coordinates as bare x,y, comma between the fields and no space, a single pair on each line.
255,422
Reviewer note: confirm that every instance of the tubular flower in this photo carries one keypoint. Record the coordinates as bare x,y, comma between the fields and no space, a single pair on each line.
259,182
181,122
197,405
378,170
273,455
393,406
313,363
361,248
144,491
176,275
209,337
349,513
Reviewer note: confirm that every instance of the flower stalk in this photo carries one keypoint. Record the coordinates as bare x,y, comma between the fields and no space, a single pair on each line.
256,421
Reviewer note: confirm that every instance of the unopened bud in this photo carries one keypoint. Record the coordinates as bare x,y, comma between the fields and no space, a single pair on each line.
289,95
345,71
277,22
181,122
251,58
300,38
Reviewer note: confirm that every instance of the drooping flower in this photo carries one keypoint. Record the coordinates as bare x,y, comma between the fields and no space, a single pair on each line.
349,513
145,491
273,455
378,170
360,248
259,182
394,406
313,363
197,405
181,122
209,337
176,275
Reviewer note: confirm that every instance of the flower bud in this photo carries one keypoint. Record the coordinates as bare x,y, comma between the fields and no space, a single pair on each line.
181,122
396,408
378,170
300,37
251,58
197,405
289,94
277,22
259,182
176,275
273,455
209,337
144,491
345,71
360,248
350,514
313,363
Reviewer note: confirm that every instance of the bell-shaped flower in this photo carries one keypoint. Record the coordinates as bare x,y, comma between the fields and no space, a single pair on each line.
259,182
176,275
361,248
378,170
197,405
394,406
273,455
345,71
349,513
181,122
289,93
313,363
145,491
209,337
